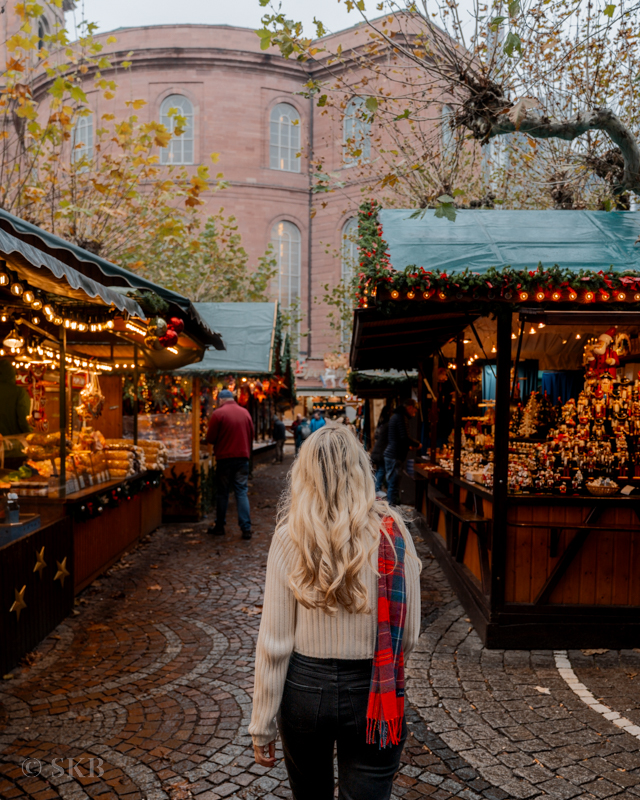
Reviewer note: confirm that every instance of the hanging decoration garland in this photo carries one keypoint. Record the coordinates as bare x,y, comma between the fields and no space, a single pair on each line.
114,497
378,279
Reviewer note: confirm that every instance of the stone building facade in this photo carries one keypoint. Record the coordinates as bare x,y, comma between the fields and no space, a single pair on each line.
247,105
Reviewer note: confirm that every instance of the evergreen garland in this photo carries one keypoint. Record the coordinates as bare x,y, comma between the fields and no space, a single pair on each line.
517,286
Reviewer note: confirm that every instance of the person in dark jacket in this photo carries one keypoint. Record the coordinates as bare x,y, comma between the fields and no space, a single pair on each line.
398,446
279,435
15,406
380,442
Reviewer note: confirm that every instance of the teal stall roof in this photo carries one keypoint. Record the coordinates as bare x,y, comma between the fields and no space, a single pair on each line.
481,239
102,272
248,331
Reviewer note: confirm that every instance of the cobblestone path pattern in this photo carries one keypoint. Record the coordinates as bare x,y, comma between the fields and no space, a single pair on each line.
153,675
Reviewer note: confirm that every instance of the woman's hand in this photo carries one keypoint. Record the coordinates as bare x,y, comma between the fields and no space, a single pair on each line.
265,754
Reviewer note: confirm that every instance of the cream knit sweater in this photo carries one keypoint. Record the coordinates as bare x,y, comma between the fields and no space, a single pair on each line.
287,626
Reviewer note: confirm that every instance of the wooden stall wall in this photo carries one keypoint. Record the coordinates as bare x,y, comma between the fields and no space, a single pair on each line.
48,601
110,423
603,571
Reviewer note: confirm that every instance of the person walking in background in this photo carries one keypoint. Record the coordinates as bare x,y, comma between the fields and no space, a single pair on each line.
398,446
231,434
341,613
317,422
279,436
302,432
380,442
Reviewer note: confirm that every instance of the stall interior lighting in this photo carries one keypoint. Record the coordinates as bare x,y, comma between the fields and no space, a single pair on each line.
28,296
514,336
174,350
4,318
136,329
17,289
494,349
13,340
4,279
532,330
78,362
541,325
578,336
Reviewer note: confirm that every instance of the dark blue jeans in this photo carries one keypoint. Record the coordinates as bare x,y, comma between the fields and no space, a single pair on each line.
324,703
392,467
380,476
233,473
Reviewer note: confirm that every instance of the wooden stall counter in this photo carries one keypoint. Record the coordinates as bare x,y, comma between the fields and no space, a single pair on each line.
574,556
106,519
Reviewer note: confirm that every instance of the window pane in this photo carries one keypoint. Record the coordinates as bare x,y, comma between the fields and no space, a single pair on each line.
180,149
356,132
82,139
284,133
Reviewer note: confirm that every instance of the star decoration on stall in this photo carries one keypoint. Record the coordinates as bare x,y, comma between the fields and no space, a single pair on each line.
18,604
40,563
62,572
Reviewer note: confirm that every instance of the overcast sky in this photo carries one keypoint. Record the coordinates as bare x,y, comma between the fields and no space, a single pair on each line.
111,14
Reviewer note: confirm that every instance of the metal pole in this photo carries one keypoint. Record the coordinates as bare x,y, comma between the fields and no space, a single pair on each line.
135,393
62,399
195,419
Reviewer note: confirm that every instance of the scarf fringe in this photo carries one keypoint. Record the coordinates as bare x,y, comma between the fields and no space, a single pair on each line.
385,715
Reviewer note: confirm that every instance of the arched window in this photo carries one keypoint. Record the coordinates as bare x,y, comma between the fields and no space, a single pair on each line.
284,138
43,30
180,148
82,139
286,242
356,132
447,132
349,249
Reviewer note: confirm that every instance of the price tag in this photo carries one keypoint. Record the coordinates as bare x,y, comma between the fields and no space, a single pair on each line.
627,490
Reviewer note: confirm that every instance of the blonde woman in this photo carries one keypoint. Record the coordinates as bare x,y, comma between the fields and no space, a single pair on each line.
341,611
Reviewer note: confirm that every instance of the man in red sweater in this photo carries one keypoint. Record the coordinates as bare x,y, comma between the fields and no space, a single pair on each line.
231,434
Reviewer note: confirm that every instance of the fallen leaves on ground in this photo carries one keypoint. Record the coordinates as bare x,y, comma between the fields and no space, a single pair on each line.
596,651
543,690
155,587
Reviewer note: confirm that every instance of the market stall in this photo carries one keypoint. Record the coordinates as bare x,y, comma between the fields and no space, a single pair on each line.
75,492
531,503
255,365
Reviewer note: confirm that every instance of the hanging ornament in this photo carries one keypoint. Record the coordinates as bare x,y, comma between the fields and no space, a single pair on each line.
156,327
152,342
169,339
91,399
176,324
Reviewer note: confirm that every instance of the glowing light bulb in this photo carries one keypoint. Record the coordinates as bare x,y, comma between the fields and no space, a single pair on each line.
556,296
532,330
588,296
28,296
541,325
572,295
494,349
442,295
57,320
35,320
110,324
524,296
395,294
621,296
4,279
17,289
605,295
513,336
36,305
578,336
540,296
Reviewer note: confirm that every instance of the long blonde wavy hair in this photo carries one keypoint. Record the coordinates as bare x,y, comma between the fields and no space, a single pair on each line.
331,514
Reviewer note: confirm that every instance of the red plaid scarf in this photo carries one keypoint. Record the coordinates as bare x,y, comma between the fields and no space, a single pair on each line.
385,711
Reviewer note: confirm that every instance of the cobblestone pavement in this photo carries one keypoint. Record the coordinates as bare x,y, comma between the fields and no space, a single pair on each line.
151,677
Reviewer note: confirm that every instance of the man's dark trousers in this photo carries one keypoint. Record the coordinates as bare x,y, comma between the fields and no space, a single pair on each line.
233,473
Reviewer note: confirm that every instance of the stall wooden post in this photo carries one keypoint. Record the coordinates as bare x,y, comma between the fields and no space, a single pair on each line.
136,378
457,428
62,399
433,416
501,462
195,422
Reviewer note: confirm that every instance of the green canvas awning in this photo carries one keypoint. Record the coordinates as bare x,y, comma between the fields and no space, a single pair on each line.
481,239
74,259
248,331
